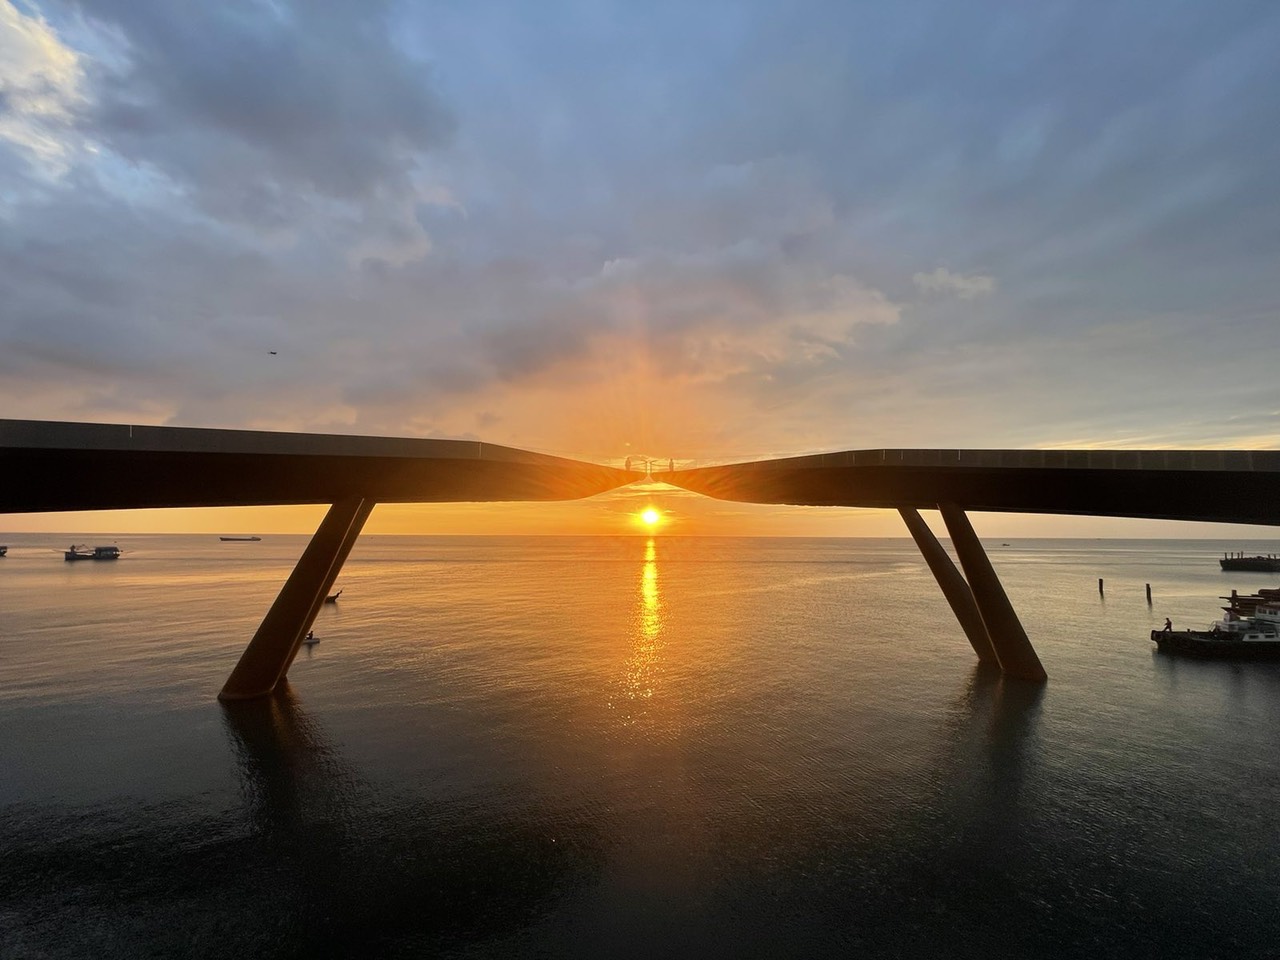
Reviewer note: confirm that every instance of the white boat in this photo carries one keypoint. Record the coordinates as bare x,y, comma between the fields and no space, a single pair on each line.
1254,635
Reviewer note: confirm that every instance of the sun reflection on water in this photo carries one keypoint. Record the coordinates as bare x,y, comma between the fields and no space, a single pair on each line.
643,667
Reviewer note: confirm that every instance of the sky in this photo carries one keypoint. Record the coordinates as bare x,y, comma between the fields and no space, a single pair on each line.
699,231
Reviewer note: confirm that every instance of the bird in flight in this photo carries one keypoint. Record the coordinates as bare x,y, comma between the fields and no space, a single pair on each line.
272,352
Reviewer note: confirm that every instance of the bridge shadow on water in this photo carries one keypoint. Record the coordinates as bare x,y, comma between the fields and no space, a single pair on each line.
971,853
342,868
313,861
930,875
347,869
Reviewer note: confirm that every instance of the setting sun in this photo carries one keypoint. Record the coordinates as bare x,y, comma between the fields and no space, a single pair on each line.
650,517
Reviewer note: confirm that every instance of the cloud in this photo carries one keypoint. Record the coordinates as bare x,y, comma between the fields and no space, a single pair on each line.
701,228
41,89
304,96
942,282
302,126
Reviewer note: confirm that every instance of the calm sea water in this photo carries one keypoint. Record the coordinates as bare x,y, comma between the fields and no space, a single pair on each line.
630,748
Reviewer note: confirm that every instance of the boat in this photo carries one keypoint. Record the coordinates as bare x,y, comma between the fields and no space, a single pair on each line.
1254,564
333,597
3,550
97,553
1248,630
240,539
1244,605
310,639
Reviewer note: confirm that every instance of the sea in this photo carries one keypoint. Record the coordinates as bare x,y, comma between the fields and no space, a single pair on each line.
627,747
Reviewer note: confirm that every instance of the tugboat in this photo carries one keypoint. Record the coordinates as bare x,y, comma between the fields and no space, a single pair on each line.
97,553
1248,630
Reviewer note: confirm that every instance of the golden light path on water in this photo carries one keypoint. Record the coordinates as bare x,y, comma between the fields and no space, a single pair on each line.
643,665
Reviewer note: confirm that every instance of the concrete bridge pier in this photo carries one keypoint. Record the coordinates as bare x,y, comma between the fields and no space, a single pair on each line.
267,658
954,587
1016,655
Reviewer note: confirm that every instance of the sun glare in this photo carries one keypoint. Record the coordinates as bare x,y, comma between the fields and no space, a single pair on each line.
650,517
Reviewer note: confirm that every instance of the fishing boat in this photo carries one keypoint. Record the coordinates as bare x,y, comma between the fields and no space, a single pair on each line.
1248,630
333,597
3,550
97,553
1255,564
240,539
310,639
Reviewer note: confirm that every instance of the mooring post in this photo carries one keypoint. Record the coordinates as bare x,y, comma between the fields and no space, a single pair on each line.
953,585
1017,656
266,659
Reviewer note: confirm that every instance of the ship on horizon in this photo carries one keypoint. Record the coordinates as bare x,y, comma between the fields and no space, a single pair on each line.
1257,564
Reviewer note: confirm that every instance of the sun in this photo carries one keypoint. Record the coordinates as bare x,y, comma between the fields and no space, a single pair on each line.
650,517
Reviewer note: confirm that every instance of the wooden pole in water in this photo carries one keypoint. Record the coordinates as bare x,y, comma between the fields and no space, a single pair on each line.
1148,594
1100,587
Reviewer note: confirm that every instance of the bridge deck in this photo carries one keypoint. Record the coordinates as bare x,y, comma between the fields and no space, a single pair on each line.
1234,486
49,466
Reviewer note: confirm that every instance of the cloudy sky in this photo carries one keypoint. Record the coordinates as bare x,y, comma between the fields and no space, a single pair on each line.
704,231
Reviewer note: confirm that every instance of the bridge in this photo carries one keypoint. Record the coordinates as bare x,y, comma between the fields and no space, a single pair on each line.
1231,486
51,466
55,466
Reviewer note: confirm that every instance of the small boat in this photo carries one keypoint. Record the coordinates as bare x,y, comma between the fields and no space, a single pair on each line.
97,553
333,597
3,550
311,639
240,539
1255,564
1237,636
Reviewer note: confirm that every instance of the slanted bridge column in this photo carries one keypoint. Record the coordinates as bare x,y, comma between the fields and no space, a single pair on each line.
953,585
1017,656
270,653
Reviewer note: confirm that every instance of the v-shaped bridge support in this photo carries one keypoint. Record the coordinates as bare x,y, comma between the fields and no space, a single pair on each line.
977,598
270,653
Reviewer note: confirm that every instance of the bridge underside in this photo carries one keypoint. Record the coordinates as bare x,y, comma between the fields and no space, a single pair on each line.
73,466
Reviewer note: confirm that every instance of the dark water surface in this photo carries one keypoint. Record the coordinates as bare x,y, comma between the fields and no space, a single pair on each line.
628,748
